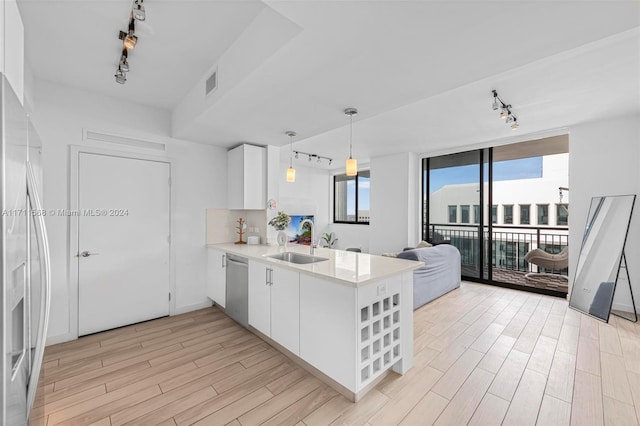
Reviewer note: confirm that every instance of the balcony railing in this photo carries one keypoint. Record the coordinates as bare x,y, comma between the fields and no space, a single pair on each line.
510,244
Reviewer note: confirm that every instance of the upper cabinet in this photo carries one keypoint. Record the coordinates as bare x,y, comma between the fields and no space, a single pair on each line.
12,38
246,177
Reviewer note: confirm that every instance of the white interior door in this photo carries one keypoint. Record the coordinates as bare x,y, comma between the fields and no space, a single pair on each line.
123,241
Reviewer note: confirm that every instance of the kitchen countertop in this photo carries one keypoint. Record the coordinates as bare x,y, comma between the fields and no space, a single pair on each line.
346,267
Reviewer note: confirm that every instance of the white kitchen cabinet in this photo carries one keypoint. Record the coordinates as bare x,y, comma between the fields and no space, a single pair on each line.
274,303
246,178
12,37
260,297
328,328
216,276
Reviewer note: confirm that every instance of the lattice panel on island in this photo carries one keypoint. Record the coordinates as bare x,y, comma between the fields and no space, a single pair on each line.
379,341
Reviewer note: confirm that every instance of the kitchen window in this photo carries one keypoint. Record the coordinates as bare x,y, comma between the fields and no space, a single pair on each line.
351,198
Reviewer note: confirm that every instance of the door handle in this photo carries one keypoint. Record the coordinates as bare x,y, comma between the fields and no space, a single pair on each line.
86,254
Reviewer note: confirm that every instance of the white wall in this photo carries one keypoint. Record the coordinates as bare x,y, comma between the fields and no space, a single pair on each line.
394,219
604,159
198,173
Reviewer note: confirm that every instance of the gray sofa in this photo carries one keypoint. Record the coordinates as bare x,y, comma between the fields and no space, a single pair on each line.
440,275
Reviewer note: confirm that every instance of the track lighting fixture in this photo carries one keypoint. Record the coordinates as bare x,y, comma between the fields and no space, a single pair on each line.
351,163
291,172
505,110
310,157
129,39
138,11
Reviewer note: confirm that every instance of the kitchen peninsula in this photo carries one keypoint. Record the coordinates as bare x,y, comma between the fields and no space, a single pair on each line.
346,317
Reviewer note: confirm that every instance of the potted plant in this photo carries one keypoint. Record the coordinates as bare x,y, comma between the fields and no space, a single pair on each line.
329,239
280,222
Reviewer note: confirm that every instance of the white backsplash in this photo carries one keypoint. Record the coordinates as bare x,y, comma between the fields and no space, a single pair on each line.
222,225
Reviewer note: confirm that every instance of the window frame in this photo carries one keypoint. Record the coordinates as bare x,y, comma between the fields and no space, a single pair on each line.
357,196
454,211
538,214
494,208
566,216
462,209
528,206
504,214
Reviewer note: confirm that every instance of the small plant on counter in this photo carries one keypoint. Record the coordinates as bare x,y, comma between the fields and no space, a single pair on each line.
330,239
281,221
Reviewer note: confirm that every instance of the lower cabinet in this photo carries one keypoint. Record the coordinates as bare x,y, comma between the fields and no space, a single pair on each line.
216,276
274,303
328,325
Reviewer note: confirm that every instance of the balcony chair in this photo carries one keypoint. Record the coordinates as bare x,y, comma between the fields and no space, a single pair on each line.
548,261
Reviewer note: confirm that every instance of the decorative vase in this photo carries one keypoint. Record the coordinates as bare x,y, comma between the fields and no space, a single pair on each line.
282,238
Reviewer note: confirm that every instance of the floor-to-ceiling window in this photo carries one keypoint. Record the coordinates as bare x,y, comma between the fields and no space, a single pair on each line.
497,204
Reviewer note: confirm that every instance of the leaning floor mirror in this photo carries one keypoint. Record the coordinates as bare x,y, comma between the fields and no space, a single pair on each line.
601,283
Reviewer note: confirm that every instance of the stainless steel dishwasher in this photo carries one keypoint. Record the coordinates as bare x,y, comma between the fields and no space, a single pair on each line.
237,306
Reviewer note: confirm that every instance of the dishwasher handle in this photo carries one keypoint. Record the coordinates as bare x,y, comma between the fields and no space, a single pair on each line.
237,263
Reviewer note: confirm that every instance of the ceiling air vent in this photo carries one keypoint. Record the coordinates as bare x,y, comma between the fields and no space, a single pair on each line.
212,82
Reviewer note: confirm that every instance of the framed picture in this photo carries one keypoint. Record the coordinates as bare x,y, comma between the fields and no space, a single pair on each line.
297,233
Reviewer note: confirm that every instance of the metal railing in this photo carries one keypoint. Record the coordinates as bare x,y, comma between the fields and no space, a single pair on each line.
510,243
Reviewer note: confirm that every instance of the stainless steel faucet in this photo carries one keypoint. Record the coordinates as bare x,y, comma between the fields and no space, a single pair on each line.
312,248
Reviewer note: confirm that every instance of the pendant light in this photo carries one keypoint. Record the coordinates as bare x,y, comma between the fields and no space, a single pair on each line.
352,163
291,172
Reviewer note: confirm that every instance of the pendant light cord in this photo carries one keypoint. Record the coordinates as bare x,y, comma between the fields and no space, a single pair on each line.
290,151
350,135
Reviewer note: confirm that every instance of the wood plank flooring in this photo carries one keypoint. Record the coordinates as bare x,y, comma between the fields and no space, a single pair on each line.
483,356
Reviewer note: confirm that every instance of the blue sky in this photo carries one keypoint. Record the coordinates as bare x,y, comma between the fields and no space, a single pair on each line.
525,168
363,201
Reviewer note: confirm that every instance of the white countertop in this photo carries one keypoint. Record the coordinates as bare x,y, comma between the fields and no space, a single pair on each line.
345,267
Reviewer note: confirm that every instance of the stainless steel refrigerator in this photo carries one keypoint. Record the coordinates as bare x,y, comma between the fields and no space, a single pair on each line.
25,291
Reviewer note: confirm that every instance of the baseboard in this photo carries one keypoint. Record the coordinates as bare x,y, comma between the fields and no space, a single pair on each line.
188,308
60,338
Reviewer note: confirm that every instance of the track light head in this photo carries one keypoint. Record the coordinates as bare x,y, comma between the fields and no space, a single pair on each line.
297,156
504,113
495,104
130,41
120,76
330,161
510,119
515,125
138,11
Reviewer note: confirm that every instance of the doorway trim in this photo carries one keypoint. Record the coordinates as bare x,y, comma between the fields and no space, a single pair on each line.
73,224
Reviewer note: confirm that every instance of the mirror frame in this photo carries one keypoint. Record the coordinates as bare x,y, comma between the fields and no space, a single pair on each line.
622,258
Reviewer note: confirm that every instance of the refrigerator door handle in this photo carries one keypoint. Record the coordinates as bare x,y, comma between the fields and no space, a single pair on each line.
45,275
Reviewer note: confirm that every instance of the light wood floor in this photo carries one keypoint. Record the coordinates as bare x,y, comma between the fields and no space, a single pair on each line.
483,356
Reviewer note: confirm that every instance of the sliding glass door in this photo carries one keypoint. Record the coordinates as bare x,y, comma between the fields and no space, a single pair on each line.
453,190
498,204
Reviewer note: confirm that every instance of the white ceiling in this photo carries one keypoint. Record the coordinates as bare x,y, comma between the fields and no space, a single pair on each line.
420,72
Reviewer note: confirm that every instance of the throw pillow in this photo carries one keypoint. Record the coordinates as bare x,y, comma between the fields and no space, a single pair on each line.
422,244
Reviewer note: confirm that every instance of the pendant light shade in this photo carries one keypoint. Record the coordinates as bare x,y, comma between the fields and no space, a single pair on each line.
352,163
352,167
291,172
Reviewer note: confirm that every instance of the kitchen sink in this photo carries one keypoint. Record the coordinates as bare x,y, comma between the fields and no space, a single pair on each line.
297,258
